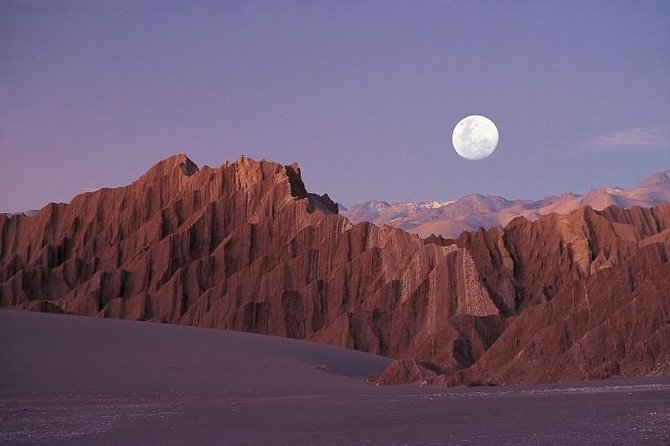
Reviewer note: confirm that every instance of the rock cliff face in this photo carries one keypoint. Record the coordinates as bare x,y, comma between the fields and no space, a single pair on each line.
530,262
587,296
245,247
613,323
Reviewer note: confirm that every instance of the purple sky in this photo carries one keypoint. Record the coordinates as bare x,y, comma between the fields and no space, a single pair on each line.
364,95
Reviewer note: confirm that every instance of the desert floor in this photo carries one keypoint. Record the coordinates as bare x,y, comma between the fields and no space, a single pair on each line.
68,380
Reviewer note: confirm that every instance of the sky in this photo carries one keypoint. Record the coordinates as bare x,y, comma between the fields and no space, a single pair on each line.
364,95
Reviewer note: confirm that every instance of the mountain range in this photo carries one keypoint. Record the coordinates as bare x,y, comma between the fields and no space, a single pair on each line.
245,246
450,218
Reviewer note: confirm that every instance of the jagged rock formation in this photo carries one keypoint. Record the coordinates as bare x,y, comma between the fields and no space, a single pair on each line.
587,295
245,247
613,323
530,262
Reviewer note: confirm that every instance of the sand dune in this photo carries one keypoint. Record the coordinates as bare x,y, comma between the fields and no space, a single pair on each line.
55,353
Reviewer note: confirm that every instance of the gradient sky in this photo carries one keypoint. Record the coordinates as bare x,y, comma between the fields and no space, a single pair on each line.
363,94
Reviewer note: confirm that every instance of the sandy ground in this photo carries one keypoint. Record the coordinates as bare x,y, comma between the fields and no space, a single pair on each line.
77,381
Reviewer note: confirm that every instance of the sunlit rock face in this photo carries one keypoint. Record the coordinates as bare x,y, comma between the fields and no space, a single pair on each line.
244,247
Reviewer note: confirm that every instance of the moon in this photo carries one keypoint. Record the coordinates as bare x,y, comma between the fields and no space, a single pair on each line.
475,137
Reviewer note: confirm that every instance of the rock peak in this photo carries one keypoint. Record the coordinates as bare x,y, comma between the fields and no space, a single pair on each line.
659,178
298,188
180,164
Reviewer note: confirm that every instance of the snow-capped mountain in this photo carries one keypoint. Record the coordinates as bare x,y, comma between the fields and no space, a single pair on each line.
450,218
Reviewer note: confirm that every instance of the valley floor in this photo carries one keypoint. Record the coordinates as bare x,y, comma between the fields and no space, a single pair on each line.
72,380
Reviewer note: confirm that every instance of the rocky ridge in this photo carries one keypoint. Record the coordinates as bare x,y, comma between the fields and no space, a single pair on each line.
585,295
245,247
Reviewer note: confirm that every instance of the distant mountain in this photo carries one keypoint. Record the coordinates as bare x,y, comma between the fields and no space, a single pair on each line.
471,212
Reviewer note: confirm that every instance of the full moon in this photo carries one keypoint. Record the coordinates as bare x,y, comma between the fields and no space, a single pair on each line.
475,137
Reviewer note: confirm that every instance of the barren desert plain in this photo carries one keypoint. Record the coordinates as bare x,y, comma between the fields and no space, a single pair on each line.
70,380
